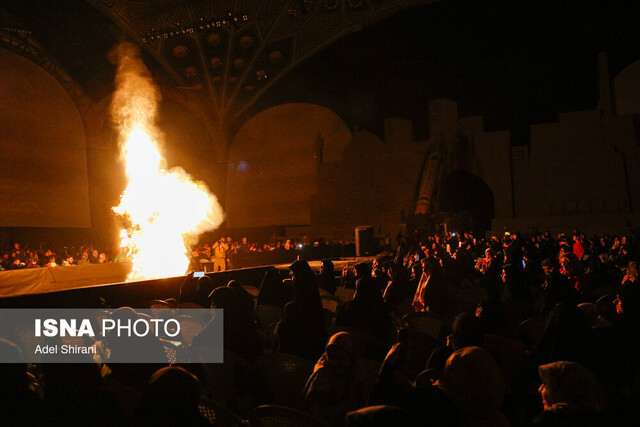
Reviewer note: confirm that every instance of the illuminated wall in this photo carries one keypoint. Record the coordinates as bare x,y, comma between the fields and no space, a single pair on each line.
43,171
272,164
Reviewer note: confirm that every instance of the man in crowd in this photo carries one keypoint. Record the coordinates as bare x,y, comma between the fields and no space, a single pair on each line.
220,249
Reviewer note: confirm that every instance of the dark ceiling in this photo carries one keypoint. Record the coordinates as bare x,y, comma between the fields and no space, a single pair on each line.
74,34
221,54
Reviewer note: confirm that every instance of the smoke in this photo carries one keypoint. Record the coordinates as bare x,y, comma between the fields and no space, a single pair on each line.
135,101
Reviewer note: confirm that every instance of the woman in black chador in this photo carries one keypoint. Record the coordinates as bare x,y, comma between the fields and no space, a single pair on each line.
302,330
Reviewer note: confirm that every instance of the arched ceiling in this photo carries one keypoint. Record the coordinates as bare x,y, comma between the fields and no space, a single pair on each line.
222,54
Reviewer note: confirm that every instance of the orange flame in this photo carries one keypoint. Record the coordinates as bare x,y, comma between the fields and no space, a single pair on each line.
166,210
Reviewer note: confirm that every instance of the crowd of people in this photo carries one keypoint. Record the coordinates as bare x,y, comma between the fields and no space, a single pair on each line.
20,257
460,331
224,254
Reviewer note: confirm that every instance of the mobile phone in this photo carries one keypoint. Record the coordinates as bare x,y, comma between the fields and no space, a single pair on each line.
198,274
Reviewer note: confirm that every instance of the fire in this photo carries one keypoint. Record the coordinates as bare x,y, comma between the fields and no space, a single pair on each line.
166,209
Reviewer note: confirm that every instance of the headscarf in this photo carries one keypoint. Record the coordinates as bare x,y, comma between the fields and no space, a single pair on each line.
302,330
188,290
432,289
572,386
363,269
305,289
335,386
240,335
238,311
226,298
367,311
467,330
171,396
567,336
573,270
368,293
247,305
342,341
204,285
326,279
473,381
272,291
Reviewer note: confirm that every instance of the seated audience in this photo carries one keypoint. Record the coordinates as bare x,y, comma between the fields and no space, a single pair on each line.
302,330
239,330
170,399
481,377
473,381
326,277
367,311
336,385
571,396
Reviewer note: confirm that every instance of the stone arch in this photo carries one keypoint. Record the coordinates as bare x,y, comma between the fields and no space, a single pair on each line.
43,145
272,169
466,202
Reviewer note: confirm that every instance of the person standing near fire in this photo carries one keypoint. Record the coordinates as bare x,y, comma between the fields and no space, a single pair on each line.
220,249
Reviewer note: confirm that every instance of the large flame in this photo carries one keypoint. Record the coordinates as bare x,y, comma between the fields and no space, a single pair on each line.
165,210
